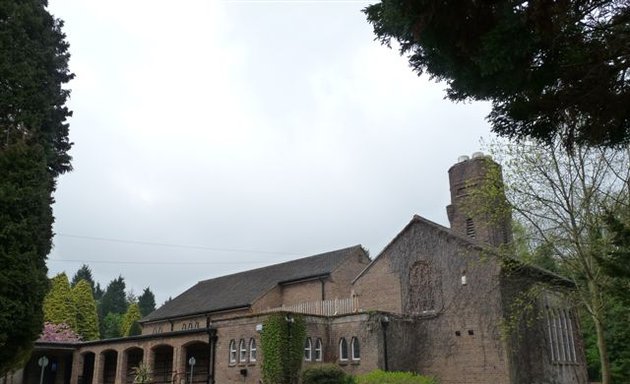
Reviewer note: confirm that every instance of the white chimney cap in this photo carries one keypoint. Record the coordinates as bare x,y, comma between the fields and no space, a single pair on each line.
462,158
477,155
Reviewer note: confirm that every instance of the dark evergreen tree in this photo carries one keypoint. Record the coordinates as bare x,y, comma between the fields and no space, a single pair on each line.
33,153
551,68
114,301
111,326
84,273
146,302
25,239
135,329
98,292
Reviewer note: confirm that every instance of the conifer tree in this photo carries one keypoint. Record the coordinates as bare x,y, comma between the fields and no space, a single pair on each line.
114,299
551,68
110,327
132,316
34,148
59,306
84,273
87,317
146,302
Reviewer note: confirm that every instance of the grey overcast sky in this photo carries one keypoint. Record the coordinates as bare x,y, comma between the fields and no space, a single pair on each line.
217,136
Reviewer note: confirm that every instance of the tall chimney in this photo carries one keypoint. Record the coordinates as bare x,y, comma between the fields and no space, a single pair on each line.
478,208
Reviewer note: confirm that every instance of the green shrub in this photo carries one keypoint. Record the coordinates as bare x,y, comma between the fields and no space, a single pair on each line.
382,377
326,374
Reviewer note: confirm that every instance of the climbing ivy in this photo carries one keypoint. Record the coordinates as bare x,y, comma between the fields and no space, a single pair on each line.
282,344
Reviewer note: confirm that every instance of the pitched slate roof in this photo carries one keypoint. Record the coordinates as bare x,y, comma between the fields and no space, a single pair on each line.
242,289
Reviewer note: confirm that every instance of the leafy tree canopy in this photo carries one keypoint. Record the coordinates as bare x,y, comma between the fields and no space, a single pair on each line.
58,333
561,198
551,68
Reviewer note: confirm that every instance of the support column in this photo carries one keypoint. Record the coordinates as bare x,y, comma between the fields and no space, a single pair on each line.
212,340
77,368
121,368
149,359
179,365
99,365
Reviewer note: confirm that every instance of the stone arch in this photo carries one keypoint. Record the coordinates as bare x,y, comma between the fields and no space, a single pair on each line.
109,360
162,364
200,350
87,360
132,357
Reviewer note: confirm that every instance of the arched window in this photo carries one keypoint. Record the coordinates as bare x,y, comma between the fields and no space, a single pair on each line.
232,352
252,350
308,347
318,349
184,327
356,350
242,357
343,349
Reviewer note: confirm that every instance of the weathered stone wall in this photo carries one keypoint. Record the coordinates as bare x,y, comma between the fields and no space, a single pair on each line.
429,263
362,327
478,206
529,340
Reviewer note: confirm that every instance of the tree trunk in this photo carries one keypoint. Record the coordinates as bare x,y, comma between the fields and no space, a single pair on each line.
598,320
603,351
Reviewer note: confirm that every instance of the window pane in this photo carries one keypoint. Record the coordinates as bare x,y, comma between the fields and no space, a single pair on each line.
252,350
343,349
307,349
243,351
356,352
232,351
318,350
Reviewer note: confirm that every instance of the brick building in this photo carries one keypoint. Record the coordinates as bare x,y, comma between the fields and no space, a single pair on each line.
434,301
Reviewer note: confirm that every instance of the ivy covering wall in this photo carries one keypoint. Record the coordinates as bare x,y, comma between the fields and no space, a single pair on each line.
282,344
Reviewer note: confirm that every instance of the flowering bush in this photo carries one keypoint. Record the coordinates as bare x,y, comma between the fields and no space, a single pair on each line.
59,333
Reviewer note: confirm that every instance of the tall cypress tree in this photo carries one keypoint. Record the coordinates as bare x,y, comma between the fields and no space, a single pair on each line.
131,316
33,153
59,305
87,317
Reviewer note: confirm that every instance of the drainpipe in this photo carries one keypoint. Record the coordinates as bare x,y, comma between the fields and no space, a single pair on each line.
384,324
212,341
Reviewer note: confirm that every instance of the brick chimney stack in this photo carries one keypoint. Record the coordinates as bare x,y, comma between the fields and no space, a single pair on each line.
478,206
